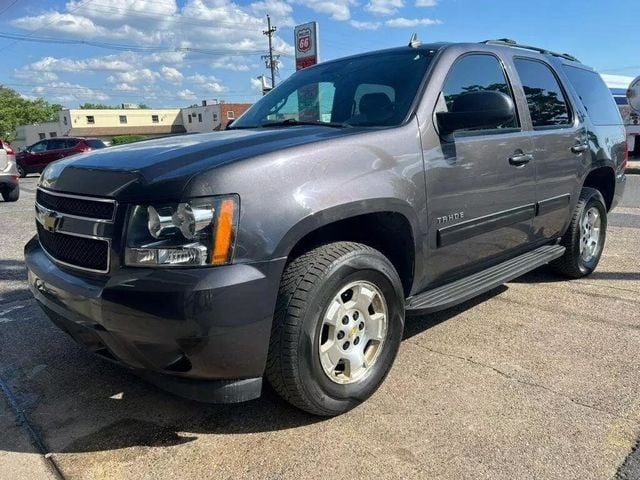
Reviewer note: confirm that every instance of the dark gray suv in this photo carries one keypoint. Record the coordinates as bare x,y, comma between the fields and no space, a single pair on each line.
359,191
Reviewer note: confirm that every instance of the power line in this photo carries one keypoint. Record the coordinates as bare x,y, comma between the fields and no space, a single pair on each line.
129,47
85,2
6,9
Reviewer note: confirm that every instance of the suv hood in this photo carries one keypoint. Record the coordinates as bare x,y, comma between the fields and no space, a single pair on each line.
161,168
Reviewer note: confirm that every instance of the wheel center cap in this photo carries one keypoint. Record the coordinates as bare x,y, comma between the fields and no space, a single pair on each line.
353,331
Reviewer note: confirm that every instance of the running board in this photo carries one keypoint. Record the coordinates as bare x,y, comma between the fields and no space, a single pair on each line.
461,290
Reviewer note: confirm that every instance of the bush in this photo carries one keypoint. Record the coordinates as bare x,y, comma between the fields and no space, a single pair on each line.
122,139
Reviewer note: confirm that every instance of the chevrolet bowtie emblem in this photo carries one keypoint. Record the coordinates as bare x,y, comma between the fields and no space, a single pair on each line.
50,221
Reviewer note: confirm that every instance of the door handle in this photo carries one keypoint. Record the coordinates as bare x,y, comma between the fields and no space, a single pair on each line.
520,159
583,147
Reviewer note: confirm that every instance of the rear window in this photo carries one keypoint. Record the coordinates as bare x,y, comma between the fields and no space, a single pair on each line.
595,96
95,143
547,104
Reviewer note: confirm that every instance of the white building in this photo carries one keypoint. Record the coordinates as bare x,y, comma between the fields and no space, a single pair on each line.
154,122
29,134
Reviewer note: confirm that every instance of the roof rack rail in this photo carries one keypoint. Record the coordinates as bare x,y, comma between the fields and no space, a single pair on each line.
512,43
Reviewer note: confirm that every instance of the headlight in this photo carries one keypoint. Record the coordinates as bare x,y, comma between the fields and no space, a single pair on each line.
200,231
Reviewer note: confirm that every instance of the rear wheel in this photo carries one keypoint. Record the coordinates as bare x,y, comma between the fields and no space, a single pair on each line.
584,240
12,196
337,328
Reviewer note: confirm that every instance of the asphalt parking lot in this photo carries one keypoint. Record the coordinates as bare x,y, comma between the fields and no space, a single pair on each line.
536,379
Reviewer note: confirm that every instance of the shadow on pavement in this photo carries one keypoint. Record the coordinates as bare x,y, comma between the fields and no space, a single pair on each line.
82,403
546,275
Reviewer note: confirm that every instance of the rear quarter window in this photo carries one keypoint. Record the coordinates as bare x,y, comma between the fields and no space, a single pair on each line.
594,95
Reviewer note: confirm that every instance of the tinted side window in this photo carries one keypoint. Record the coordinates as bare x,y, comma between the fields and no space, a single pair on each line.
473,73
95,143
595,96
546,100
57,144
71,143
39,147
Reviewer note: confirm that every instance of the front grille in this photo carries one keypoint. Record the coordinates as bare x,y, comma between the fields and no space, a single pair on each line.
76,251
80,207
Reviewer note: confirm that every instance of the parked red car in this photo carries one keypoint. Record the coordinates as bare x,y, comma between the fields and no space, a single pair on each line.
35,158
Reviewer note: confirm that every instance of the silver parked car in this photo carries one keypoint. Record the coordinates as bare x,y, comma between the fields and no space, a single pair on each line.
9,186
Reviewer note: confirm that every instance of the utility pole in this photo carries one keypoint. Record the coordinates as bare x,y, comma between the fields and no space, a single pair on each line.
271,60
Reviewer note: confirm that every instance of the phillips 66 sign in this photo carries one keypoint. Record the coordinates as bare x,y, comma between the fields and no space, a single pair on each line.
306,41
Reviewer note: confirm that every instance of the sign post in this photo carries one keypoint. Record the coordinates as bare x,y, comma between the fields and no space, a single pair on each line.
307,54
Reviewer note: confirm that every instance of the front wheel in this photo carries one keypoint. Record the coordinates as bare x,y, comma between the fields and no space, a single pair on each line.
12,196
584,239
338,325
21,171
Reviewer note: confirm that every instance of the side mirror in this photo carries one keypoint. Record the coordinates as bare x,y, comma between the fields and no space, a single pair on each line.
482,109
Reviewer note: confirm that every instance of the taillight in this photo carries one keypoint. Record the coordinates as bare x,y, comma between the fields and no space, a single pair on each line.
8,149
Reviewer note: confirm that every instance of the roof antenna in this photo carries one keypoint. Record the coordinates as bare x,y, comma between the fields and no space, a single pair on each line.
415,41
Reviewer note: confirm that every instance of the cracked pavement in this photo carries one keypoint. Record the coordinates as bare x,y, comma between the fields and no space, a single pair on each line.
535,379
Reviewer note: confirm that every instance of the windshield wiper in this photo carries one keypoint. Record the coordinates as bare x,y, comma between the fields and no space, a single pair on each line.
290,122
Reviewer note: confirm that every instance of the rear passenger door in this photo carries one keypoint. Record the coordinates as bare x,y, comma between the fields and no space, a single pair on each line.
560,145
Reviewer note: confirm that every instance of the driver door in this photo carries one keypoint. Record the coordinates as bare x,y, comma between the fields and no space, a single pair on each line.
36,159
480,181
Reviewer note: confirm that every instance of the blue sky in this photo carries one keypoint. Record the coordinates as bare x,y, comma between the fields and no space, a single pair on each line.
178,52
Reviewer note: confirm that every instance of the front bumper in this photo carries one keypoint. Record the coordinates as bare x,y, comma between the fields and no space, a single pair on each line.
180,328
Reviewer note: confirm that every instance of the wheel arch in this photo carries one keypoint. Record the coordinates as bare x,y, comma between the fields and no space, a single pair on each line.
387,225
602,179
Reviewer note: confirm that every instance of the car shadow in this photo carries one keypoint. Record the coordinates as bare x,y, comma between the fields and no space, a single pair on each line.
546,275
83,403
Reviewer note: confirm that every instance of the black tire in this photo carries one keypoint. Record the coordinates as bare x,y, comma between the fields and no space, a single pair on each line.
571,264
21,170
13,195
308,284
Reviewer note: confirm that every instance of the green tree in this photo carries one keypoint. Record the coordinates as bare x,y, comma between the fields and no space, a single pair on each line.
97,106
16,110
102,106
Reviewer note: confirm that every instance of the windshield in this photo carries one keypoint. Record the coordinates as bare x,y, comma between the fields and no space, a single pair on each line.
374,90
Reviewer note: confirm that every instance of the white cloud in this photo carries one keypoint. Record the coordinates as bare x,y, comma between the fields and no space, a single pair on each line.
52,64
365,25
337,9
207,83
68,92
236,64
180,37
426,3
171,74
187,94
401,22
279,11
142,75
125,87
198,24
616,81
256,85
384,7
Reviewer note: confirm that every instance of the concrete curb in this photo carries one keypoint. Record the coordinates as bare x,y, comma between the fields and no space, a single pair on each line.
633,167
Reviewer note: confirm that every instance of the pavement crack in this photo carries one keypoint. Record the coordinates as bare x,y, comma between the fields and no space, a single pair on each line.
24,422
525,382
